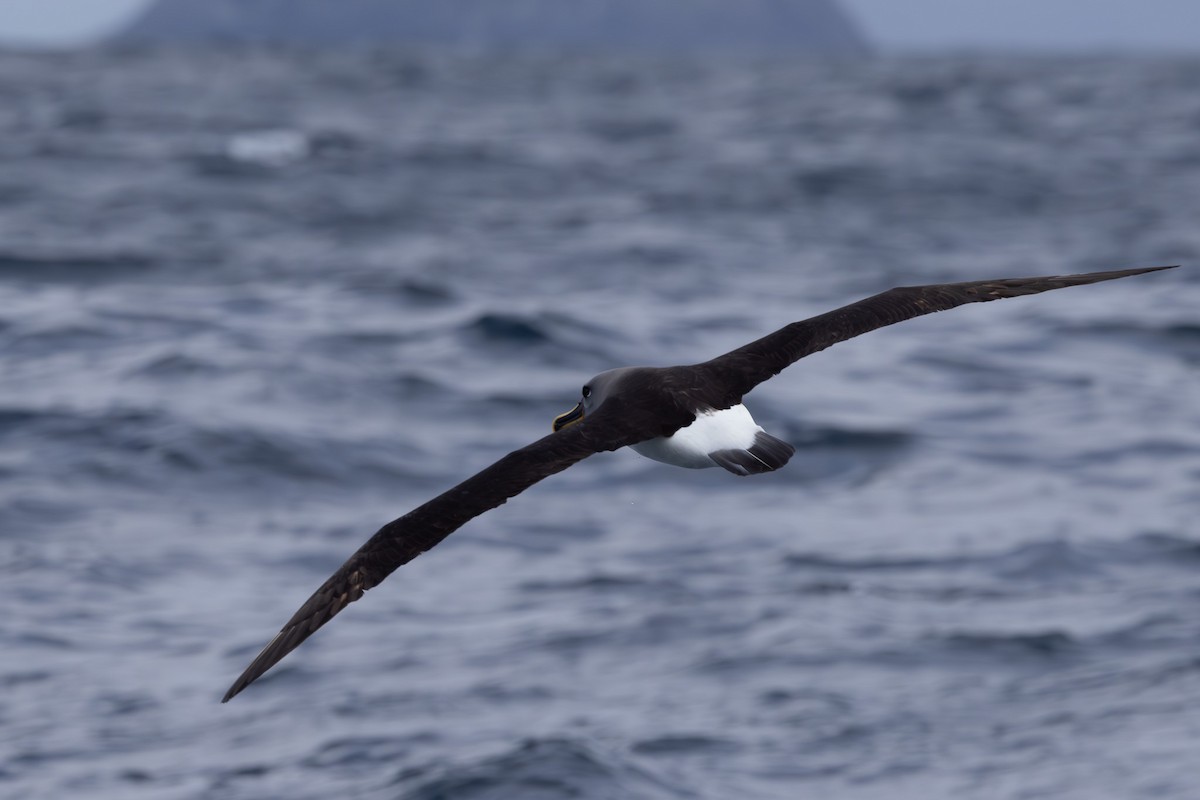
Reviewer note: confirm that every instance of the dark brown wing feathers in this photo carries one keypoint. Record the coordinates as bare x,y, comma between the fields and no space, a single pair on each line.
652,410
403,539
734,374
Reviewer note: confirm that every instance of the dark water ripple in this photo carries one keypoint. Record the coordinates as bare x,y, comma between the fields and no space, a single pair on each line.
544,769
253,304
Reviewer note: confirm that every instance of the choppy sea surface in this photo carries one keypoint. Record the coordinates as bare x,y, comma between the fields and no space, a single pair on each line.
255,304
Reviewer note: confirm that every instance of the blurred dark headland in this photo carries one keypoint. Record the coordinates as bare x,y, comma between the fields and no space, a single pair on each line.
817,27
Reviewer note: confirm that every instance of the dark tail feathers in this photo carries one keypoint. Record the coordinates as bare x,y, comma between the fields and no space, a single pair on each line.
765,455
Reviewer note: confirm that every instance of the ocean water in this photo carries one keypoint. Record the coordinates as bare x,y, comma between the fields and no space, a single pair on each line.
255,304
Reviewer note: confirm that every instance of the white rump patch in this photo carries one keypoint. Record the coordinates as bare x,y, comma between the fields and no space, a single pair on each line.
728,429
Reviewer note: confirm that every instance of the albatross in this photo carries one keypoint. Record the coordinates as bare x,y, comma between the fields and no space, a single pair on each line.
689,416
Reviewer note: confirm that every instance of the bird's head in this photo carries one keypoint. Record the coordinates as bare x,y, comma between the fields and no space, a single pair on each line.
593,395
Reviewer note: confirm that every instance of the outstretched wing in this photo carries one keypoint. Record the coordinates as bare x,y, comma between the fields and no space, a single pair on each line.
737,372
403,539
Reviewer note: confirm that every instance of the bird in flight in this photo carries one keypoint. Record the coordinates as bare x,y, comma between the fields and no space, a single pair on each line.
690,416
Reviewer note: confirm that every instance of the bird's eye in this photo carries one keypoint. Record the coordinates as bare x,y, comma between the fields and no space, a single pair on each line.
587,391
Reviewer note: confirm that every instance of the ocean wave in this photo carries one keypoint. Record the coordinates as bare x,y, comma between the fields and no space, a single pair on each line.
545,768
146,447
255,301
685,745
560,339
1041,644
1180,338
420,292
1162,675
597,582
1046,561
509,329
834,437
88,266
175,366
364,751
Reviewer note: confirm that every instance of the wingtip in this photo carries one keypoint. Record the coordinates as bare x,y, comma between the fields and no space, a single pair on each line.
268,657
1145,270
236,689
1121,273
1084,278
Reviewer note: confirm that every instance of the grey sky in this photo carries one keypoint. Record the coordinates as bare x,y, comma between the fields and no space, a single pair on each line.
53,21
893,24
1032,24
